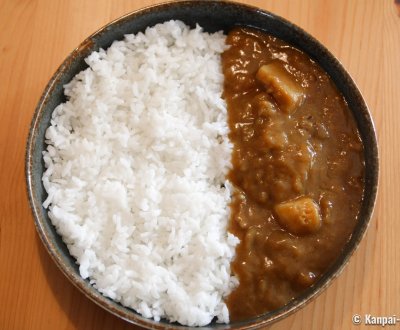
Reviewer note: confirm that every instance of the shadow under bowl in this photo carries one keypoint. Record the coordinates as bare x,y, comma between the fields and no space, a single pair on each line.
212,16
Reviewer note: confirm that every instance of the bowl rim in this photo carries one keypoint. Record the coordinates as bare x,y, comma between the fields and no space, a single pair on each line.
127,313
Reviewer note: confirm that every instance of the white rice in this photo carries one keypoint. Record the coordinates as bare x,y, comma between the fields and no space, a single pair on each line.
136,163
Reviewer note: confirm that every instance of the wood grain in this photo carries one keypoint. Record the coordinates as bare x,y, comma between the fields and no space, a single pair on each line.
36,35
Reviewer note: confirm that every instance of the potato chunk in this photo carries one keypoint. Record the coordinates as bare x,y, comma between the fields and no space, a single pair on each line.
281,85
299,216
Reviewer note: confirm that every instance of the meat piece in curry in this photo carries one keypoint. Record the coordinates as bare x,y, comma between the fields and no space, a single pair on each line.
300,216
298,170
284,89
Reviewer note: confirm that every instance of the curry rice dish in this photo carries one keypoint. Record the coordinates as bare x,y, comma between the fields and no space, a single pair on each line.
191,194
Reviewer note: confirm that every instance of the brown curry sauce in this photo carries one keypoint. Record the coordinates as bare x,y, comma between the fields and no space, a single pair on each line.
299,152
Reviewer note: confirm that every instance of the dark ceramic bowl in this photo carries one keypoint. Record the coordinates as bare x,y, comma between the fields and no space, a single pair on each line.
213,16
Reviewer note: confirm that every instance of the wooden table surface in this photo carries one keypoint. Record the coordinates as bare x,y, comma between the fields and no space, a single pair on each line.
35,37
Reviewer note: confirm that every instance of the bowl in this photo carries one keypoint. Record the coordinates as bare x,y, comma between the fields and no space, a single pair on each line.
212,16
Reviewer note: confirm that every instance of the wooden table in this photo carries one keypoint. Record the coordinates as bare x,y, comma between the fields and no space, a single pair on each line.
35,37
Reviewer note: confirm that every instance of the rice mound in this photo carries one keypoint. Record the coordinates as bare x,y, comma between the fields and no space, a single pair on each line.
135,174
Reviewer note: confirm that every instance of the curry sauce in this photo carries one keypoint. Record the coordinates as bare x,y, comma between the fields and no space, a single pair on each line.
297,170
